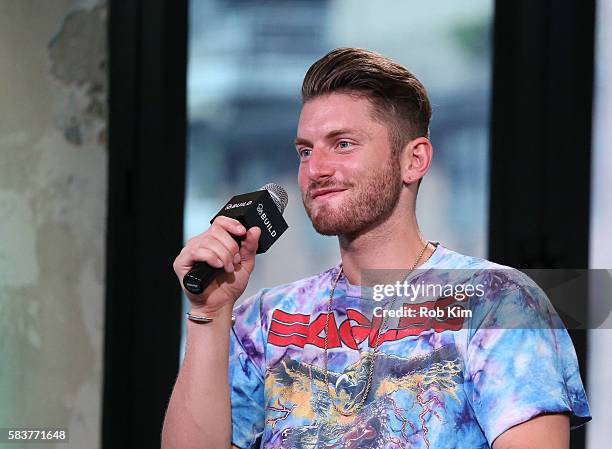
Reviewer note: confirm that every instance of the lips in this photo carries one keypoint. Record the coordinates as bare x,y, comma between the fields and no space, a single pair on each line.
325,193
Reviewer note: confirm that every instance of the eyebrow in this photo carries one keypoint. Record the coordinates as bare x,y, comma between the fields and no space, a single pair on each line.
330,135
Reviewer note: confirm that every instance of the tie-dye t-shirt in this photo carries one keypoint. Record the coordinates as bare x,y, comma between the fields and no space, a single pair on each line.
438,382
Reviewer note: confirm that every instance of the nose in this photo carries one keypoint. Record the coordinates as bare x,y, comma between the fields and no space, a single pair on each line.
320,165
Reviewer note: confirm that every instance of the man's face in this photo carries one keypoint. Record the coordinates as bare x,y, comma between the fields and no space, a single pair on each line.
349,178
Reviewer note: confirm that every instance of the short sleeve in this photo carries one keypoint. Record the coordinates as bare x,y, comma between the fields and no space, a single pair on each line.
246,357
520,362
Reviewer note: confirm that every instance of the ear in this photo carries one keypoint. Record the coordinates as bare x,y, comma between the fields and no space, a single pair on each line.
415,160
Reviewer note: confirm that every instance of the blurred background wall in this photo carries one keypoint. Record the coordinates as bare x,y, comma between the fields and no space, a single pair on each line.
53,161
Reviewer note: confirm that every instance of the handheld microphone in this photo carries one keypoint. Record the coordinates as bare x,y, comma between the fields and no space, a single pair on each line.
263,208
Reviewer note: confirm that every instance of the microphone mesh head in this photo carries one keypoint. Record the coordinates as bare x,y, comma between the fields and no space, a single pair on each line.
278,194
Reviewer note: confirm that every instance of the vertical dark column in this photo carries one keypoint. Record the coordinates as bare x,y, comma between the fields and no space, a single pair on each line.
147,145
541,139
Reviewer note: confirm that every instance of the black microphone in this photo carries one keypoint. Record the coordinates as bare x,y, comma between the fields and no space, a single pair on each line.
263,208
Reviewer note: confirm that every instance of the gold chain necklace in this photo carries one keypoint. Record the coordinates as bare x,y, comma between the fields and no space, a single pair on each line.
359,406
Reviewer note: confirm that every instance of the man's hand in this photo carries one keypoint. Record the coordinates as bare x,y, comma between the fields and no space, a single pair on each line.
217,247
550,431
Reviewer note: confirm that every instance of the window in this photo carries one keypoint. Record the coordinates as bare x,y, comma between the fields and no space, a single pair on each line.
246,64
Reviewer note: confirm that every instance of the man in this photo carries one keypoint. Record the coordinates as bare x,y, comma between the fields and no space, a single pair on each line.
315,363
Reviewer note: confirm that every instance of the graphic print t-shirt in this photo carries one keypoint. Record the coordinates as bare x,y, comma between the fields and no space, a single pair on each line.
454,381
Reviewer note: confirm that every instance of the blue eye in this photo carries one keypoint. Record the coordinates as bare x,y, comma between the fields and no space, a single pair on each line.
302,151
344,144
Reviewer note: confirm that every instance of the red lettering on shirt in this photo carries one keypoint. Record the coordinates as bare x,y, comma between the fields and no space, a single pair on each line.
298,329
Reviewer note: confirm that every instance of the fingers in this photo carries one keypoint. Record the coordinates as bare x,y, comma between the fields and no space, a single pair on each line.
191,254
220,239
228,224
216,246
206,255
249,245
221,251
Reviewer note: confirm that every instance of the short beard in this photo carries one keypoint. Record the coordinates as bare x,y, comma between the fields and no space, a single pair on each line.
370,204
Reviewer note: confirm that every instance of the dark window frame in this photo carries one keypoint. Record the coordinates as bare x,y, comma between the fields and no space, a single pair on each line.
540,163
147,42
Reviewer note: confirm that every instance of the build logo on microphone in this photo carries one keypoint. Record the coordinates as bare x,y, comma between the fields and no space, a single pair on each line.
265,220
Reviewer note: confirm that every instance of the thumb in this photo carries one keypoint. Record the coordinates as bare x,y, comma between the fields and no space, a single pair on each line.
249,245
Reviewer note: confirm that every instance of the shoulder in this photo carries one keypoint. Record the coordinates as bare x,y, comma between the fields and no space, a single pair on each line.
449,259
496,276
504,298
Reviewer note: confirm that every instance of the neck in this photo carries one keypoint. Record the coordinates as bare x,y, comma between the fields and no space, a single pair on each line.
393,244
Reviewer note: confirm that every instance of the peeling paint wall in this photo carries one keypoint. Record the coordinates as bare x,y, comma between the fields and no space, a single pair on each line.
53,162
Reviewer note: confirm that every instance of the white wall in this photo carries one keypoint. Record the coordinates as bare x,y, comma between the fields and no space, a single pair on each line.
53,163
599,431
